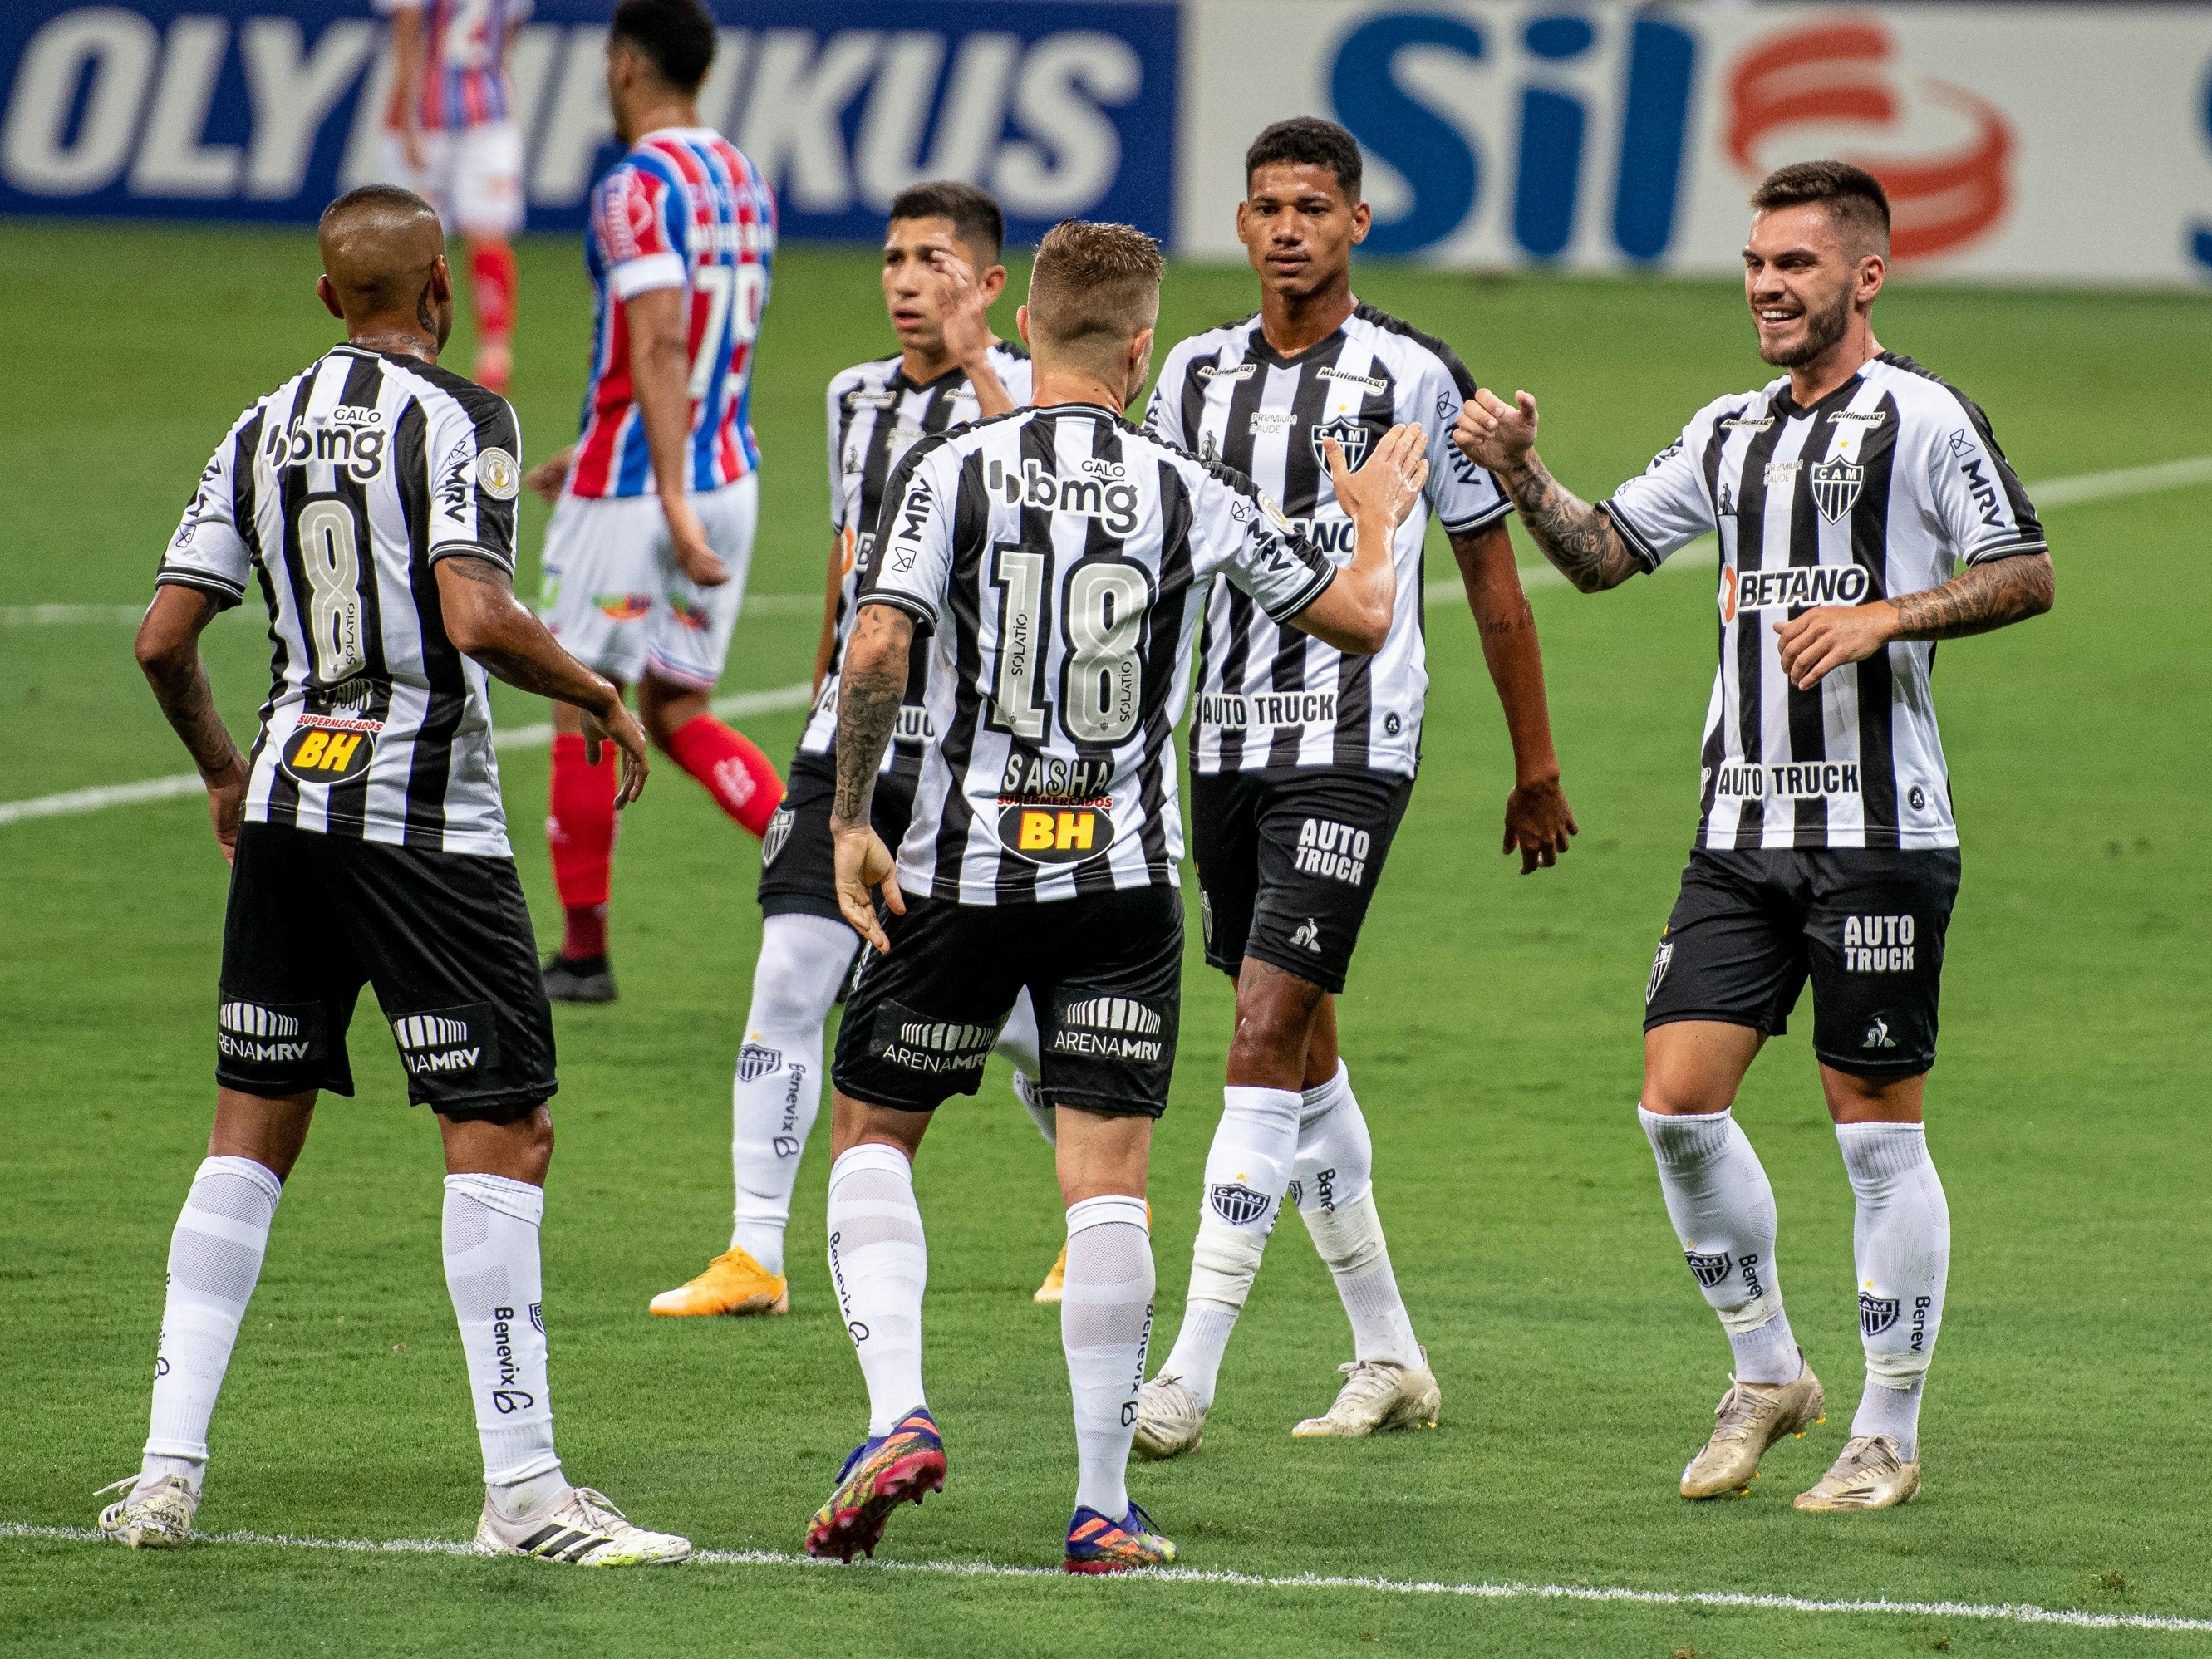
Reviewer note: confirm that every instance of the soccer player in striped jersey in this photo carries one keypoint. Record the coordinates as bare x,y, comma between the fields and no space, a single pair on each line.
940,277
655,505
1864,511
449,136
1059,559
371,499
1302,762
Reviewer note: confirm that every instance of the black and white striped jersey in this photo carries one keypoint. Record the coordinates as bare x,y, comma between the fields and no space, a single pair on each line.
1061,557
1269,696
1886,486
338,492
876,415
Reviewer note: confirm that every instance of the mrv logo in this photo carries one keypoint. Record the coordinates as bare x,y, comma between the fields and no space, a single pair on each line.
260,1034
1110,1027
448,1040
931,1047
1113,502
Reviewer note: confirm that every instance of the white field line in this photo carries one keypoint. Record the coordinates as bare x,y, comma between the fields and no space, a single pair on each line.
2011,1612
538,736
2055,492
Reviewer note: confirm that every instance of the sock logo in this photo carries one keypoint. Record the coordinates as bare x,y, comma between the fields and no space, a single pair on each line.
1878,1313
755,1060
507,1398
1324,1191
1921,1306
1751,1285
538,1317
1235,1203
1710,1269
447,1039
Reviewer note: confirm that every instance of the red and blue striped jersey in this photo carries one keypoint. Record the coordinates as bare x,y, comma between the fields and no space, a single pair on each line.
683,210
465,50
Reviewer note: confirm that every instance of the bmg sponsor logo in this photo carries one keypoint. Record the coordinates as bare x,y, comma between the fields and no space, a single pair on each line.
1112,502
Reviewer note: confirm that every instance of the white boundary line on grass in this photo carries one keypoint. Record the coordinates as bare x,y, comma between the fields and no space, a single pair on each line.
2014,1613
2055,492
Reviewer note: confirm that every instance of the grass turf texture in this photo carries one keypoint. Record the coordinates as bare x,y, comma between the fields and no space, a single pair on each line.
1491,1025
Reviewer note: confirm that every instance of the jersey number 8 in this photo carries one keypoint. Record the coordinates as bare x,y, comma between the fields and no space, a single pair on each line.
1102,606
329,557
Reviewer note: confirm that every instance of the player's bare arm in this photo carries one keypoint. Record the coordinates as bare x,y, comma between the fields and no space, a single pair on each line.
168,651
965,305
1538,820
1585,546
546,478
405,115
869,692
1980,599
1353,611
485,621
661,360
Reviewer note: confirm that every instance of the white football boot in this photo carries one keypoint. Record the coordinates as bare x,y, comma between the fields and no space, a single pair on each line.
1170,1419
584,1530
1870,1475
161,1519
1377,1396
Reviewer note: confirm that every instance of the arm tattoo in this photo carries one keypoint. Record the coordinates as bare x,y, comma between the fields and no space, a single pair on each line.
482,571
1980,597
180,686
868,698
1584,543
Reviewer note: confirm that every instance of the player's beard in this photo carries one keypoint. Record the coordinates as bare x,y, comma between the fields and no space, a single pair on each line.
1823,328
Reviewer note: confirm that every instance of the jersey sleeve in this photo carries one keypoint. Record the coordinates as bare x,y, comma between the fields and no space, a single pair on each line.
911,561
1237,528
1463,496
642,250
1667,508
474,451
1980,502
1164,414
208,551
1015,373
840,386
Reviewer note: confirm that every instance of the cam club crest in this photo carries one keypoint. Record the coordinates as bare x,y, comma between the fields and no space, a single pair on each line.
1351,433
1835,486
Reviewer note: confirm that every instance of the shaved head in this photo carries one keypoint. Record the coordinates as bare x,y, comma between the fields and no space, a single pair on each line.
384,263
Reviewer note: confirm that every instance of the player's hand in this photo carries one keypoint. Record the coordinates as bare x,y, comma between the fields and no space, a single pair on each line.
547,477
688,545
865,864
1391,481
1827,636
961,305
226,805
411,146
618,726
1538,822
1495,434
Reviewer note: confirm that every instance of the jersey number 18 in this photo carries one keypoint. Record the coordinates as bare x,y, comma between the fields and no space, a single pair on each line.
1103,605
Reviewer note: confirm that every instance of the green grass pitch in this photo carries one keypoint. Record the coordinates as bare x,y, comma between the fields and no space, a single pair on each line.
1491,1023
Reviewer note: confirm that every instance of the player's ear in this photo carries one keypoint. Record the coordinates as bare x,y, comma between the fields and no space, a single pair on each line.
329,296
441,280
1363,217
995,283
1021,325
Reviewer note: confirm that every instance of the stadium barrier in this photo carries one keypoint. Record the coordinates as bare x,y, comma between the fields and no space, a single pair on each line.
2020,143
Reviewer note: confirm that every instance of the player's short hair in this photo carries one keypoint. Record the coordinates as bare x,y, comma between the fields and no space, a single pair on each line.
1308,141
677,35
1857,205
366,237
975,214
390,200
1094,284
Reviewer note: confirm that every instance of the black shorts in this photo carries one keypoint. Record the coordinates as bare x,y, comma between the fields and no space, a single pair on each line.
1287,862
1104,972
1865,924
798,869
444,938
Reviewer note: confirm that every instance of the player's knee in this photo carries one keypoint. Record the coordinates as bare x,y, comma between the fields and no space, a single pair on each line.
1275,1022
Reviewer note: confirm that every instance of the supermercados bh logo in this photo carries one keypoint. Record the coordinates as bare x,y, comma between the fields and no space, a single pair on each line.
1055,810
447,1039
267,109
330,748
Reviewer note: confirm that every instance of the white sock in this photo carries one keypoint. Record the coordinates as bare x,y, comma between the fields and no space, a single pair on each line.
1901,1242
778,1091
880,1264
493,1275
1105,1325
1723,1208
1018,1041
1334,1179
214,1260
1247,1168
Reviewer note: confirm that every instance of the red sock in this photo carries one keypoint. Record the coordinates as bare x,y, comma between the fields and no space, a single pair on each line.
741,779
491,285
580,832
